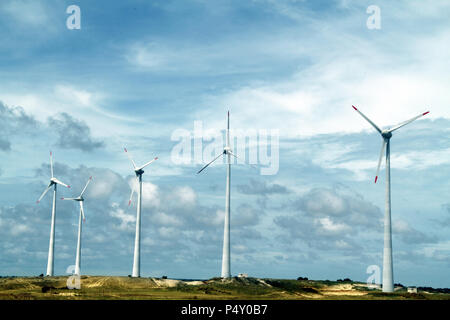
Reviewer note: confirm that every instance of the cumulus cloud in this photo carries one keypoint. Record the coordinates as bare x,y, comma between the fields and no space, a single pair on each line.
409,235
262,188
330,218
13,120
73,133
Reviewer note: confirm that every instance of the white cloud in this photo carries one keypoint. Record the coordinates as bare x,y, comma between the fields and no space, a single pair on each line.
126,220
328,225
30,13
104,184
185,195
165,219
17,229
150,195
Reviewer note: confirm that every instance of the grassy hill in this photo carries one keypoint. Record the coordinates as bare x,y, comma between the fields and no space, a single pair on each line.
106,288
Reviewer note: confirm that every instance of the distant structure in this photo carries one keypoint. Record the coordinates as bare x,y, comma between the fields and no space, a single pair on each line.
388,272
242,275
51,248
412,289
137,241
80,200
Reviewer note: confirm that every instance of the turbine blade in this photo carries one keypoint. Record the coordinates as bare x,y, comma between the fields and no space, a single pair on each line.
68,198
228,129
82,210
61,183
404,123
129,157
383,146
51,163
231,153
210,163
84,189
368,120
43,193
147,163
133,189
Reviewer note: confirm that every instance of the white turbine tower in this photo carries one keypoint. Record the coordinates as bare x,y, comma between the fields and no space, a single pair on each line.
226,273
53,182
388,269
137,241
80,200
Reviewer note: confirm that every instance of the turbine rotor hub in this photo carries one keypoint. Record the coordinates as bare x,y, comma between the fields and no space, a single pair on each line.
386,134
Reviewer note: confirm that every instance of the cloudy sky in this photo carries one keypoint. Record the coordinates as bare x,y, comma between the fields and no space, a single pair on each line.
137,73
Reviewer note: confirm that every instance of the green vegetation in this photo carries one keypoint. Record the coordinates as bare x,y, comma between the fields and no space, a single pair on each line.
107,288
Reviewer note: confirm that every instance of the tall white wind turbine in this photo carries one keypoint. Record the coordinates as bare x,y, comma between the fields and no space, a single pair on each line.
226,273
53,182
388,269
137,241
80,200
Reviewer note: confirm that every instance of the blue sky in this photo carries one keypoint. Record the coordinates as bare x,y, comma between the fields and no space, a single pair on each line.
137,71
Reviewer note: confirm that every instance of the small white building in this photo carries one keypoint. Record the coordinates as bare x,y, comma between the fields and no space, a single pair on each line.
242,275
412,290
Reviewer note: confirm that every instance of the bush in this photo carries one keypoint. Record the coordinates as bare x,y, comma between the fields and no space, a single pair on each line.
46,289
164,277
302,278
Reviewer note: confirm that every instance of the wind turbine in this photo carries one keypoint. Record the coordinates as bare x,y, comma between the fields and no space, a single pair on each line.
80,200
53,182
388,277
226,234
137,241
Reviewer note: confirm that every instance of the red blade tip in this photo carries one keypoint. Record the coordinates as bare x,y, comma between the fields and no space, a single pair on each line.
125,149
376,178
62,198
129,202
426,113
156,158
355,108
68,186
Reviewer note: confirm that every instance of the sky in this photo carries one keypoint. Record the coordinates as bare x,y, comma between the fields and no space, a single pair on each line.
144,74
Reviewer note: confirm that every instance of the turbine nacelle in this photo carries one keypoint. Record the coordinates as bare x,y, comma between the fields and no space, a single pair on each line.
74,199
386,134
53,181
139,172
